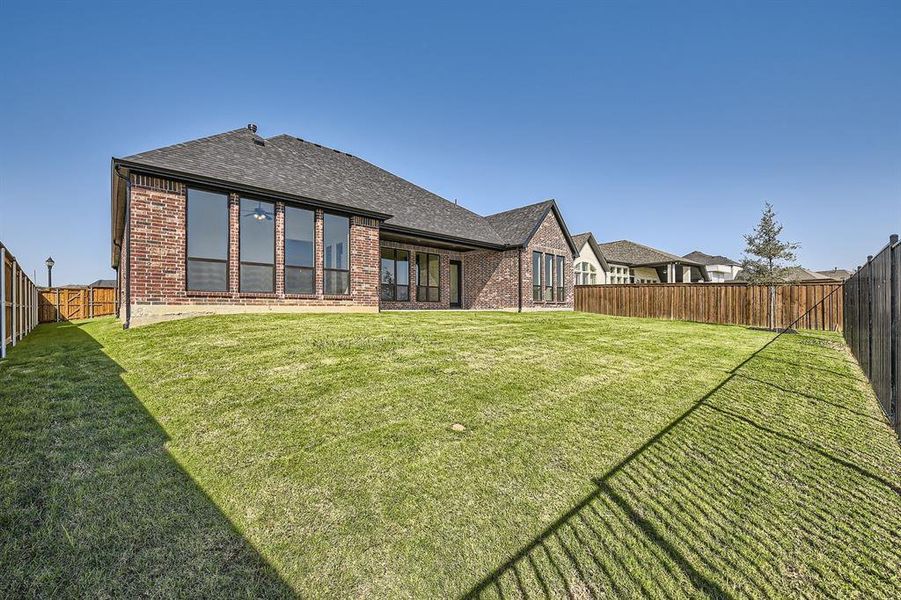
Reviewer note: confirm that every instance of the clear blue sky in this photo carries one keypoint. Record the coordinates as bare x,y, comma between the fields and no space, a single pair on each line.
665,123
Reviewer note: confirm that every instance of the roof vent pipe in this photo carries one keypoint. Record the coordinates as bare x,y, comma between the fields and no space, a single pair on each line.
252,127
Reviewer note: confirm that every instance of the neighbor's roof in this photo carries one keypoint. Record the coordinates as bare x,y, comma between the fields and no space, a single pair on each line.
840,274
302,170
708,259
581,239
796,275
103,283
634,254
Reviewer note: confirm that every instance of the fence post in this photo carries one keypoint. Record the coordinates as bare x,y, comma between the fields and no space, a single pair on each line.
57,305
2,302
870,291
91,303
895,330
15,285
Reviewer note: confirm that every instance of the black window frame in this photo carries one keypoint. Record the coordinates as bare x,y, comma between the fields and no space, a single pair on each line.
536,276
285,250
241,262
393,286
547,278
188,257
327,270
424,297
561,277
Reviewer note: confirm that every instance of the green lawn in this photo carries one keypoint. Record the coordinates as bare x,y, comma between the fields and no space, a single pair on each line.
273,455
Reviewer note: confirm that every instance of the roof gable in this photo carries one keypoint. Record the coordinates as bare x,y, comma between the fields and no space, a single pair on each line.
517,226
580,239
708,259
634,254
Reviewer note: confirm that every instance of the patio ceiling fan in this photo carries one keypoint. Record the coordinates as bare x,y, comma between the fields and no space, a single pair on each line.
259,213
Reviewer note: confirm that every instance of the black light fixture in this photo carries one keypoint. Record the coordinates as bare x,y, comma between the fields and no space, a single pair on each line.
49,262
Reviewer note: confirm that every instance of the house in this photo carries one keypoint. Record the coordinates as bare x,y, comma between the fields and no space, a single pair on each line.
836,273
631,262
719,268
236,222
590,266
800,275
104,283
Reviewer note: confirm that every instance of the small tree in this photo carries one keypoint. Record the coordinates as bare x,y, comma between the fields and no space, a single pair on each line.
765,254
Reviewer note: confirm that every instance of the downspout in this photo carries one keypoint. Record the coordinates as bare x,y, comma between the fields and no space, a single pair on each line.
127,235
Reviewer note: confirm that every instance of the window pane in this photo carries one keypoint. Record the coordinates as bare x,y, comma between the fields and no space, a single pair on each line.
336,241
257,228
337,282
433,294
560,263
422,264
434,270
387,292
536,268
536,293
207,225
256,278
403,267
403,292
299,236
207,276
387,276
299,281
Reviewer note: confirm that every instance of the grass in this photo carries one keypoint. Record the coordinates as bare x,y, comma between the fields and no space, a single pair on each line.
266,456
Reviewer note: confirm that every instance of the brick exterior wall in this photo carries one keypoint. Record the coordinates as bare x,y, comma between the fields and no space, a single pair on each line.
158,265
158,261
548,238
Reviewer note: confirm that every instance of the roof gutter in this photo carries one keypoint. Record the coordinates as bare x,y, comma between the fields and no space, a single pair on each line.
447,238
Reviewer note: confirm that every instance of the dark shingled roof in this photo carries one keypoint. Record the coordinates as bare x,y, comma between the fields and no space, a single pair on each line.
580,239
840,274
708,259
516,226
634,254
103,283
291,166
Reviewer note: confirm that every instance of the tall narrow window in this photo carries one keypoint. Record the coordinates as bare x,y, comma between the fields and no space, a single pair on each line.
207,268
536,276
395,275
560,263
428,277
336,242
300,250
257,227
548,278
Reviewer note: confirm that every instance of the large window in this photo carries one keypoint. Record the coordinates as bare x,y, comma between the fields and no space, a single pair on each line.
428,278
207,268
586,273
257,227
336,242
536,276
395,275
560,269
300,250
548,278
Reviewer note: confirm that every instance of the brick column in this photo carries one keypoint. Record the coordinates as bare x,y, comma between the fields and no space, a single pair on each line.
234,240
280,249
319,258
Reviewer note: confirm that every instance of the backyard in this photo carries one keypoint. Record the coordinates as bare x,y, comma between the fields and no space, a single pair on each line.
322,456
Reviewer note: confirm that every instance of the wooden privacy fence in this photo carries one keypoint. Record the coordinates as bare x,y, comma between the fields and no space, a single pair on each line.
64,304
18,302
873,325
813,306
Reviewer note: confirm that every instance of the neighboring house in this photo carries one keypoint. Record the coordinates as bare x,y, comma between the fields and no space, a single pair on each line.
631,262
719,268
238,223
837,274
106,283
590,265
801,275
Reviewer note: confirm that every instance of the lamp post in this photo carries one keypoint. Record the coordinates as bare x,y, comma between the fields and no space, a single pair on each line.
49,262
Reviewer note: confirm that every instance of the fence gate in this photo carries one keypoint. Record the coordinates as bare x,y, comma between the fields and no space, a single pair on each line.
68,303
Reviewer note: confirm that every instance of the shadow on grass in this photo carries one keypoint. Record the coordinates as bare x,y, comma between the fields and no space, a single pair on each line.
92,504
728,500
